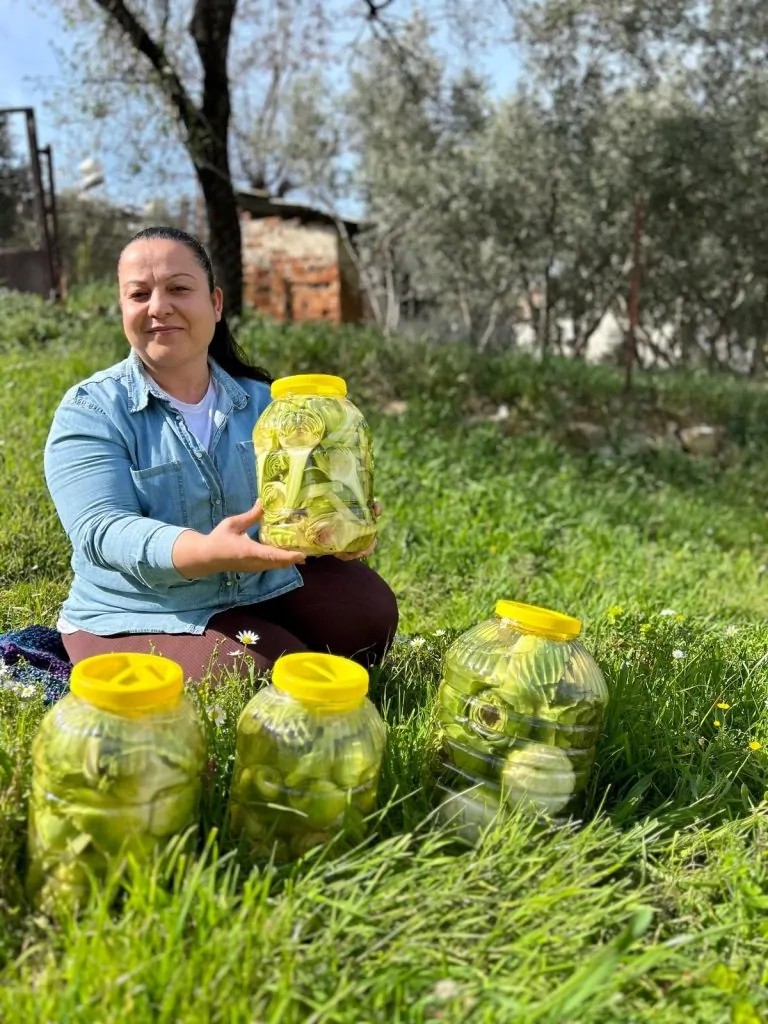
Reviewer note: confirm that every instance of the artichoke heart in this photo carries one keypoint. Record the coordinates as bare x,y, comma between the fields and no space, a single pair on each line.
533,669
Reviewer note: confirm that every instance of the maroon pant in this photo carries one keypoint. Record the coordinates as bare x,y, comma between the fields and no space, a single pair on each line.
343,607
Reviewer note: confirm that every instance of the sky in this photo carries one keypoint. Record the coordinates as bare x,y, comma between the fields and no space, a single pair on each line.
29,67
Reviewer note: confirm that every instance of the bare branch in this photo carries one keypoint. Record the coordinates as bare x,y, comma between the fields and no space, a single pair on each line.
141,40
375,9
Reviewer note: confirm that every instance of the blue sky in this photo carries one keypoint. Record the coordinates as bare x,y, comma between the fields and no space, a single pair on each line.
28,68
26,55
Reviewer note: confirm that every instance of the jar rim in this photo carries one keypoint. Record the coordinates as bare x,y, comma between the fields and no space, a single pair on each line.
325,384
321,679
549,623
127,681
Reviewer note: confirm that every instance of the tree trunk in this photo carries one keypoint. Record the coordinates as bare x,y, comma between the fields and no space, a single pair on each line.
630,349
210,27
206,127
224,237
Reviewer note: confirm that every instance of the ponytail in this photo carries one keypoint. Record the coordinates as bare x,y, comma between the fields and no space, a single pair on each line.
230,357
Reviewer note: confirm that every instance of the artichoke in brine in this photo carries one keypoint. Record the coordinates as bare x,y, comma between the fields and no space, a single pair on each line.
519,711
297,425
103,787
539,776
314,466
301,777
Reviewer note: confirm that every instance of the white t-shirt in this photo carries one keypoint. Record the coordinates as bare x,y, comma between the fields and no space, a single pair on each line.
198,416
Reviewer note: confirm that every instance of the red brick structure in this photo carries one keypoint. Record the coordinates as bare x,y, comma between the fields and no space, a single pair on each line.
297,264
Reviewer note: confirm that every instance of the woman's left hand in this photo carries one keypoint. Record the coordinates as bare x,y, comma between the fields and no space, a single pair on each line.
352,556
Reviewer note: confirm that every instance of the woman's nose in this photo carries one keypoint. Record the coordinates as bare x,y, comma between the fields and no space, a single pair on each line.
159,304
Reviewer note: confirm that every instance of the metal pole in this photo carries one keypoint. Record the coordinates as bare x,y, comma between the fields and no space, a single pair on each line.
51,209
34,158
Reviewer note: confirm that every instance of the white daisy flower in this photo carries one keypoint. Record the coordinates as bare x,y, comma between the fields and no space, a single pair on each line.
217,714
677,654
234,654
439,632
446,989
247,637
666,612
731,630
418,641
28,691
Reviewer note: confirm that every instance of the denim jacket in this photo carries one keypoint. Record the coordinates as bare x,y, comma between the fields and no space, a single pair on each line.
127,477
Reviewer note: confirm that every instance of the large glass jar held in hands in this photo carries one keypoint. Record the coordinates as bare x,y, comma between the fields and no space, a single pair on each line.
308,758
315,468
117,770
519,711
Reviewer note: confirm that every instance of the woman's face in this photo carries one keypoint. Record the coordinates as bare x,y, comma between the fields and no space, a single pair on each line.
169,313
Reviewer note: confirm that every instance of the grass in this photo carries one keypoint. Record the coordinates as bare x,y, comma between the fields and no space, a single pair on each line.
653,908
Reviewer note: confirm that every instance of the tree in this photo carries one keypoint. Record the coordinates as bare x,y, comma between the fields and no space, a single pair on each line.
204,124
684,94
446,210
222,78
242,85
92,233
16,196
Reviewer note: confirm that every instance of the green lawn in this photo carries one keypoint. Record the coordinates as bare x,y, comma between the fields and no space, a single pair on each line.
651,909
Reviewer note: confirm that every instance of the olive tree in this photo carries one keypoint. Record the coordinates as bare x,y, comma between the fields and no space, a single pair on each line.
211,83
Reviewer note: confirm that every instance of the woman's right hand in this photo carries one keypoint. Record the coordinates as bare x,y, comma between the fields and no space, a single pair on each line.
228,548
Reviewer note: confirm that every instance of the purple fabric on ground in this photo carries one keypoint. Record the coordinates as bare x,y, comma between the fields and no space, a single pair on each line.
36,656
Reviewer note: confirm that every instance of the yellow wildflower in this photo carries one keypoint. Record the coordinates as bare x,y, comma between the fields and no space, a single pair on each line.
755,744
718,723
723,706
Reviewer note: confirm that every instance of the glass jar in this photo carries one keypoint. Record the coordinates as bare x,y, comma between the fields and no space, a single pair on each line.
117,770
519,711
314,462
308,758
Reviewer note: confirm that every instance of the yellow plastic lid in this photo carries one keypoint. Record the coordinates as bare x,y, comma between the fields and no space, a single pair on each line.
321,678
542,620
309,384
127,682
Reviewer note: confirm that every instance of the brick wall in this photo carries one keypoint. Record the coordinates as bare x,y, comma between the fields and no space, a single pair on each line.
291,270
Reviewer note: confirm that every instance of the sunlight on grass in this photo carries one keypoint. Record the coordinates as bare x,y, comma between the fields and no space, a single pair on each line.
652,908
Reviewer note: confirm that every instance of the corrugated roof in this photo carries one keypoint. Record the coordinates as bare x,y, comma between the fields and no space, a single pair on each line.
260,204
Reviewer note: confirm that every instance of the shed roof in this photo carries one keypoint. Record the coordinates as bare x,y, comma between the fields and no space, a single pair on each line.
260,204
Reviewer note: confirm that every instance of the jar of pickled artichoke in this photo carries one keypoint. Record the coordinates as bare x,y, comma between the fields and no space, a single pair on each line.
314,462
519,711
117,771
308,758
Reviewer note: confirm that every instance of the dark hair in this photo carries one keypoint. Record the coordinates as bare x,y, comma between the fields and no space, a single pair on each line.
223,348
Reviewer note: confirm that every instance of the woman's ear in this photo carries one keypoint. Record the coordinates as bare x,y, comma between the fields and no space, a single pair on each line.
218,302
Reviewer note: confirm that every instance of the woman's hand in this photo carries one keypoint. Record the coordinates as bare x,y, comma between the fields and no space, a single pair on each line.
352,556
228,548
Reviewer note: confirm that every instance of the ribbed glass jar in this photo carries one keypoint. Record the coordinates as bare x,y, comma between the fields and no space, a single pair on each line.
519,711
314,461
308,758
117,769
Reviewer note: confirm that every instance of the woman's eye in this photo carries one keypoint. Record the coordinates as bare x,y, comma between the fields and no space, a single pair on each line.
137,296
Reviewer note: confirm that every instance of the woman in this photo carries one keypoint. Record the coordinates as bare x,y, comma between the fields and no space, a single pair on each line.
150,464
